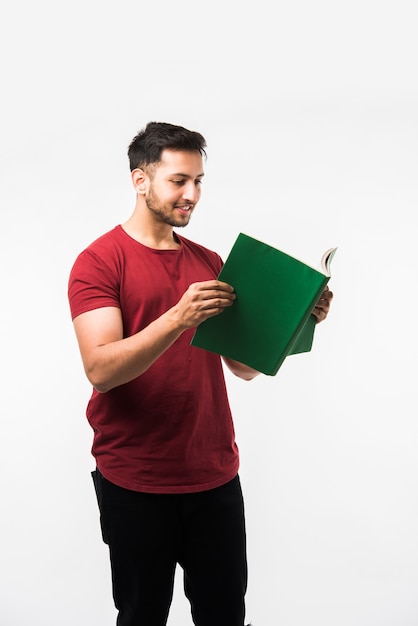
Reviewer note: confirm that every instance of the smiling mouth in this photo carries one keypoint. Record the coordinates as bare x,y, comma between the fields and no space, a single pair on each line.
185,209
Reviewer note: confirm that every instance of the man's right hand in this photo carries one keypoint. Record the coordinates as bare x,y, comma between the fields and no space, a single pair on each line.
203,300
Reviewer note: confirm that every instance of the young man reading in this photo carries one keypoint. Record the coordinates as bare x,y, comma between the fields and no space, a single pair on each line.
167,463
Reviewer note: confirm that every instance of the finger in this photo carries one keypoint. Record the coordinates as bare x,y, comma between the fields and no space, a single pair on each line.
224,287
218,292
214,284
325,300
218,301
320,314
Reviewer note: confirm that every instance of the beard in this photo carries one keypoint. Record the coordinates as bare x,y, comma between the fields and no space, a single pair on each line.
164,212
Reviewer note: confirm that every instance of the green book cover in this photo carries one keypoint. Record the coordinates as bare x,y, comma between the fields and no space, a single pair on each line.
271,316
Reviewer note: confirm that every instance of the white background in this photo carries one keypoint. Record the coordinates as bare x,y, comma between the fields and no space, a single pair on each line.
310,114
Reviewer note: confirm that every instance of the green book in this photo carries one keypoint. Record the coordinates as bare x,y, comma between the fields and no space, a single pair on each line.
271,317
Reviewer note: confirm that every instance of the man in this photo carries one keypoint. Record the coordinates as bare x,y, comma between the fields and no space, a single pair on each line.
167,463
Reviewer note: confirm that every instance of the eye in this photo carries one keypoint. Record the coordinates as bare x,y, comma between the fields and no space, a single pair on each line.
178,182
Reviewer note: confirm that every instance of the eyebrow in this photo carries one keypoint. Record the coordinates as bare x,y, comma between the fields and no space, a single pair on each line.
186,175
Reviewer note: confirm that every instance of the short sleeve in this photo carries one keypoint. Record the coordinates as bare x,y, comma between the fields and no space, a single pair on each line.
92,284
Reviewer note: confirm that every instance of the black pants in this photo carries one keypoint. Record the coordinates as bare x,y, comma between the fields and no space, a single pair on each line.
148,534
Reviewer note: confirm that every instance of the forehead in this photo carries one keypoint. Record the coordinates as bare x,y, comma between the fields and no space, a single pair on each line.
189,163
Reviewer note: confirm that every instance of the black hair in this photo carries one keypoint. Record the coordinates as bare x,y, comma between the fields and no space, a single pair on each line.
146,147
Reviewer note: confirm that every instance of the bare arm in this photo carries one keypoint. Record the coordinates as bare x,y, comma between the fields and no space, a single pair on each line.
110,360
239,369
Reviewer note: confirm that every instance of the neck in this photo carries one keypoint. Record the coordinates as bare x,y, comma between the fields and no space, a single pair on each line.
151,234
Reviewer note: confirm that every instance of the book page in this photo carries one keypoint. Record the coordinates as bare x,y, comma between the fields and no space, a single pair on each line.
326,261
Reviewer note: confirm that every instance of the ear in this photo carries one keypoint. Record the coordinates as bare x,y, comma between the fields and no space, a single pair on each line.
139,180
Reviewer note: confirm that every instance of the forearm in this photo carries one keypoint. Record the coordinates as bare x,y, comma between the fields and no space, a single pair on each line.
239,369
118,362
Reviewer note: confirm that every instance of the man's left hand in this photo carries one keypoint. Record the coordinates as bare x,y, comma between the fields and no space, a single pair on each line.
323,305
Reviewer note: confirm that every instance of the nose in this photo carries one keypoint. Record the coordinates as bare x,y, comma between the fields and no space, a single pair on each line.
191,192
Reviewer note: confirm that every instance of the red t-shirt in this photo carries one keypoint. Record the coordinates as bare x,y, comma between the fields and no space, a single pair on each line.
170,430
